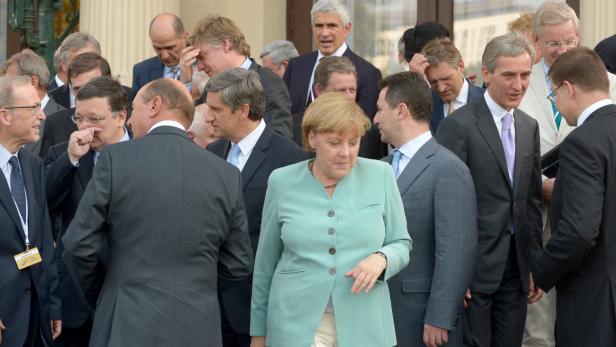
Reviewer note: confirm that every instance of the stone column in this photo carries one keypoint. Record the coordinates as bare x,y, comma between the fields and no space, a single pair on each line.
596,21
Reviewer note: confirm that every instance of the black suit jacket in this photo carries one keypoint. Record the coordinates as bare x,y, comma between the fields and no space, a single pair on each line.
272,151
438,115
470,132
51,108
297,78
146,71
62,95
52,84
606,49
580,258
15,285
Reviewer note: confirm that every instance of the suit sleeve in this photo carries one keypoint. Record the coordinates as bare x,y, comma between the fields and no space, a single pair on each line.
46,141
451,135
269,251
397,244
136,85
368,94
278,106
51,271
581,183
236,257
535,197
84,236
455,217
60,174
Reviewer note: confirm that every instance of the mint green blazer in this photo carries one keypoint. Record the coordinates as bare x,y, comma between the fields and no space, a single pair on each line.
307,244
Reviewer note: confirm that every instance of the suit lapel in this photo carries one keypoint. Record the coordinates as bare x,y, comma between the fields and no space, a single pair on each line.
540,90
257,157
523,139
7,200
416,166
86,166
487,128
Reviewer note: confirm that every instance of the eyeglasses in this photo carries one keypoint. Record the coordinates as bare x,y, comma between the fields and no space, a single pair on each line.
34,108
566,44
552,95
77,119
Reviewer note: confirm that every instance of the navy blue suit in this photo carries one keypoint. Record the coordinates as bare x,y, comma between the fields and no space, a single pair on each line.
297,78
271,152
146,71
438,114
36,285
62,95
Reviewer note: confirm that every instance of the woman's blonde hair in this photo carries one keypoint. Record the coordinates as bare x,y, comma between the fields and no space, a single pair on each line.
333,112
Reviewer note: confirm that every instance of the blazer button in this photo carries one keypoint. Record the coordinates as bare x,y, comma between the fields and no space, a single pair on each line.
331,213
332,271
332,251
331,231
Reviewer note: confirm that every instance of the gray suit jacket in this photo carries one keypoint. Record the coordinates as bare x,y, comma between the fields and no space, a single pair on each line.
51,108
174,219
471,134
439,203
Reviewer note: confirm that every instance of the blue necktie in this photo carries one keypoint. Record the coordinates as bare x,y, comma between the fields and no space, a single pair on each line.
18,190
234,155
395,161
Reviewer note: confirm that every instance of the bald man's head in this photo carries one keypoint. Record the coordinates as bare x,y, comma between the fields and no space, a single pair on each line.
168,38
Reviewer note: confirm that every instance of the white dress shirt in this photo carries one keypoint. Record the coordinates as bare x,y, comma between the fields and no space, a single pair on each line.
338,53
247,144
409,149
170,123
5,156
460,100
592,108
498,113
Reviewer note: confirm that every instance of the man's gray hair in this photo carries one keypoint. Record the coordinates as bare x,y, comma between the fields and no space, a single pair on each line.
238,86
30,64
554,13
57,63
279,51
331,6
197,126
7,86
75,42
508,45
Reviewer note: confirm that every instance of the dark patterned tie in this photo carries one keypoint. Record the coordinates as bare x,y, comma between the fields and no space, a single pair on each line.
18,190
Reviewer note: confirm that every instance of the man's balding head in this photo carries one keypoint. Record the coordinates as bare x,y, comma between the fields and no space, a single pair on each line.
168,38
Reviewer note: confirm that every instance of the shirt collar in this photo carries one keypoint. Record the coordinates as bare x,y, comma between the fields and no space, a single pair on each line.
338,53
59,82
546,69
5,156
497,112
72,97
462,97
410,148
44,101
170,123
247,63
592,108
249,141
125,137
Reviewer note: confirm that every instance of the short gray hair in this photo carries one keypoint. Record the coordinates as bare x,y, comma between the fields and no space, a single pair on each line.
238,86
554,13
7,86
197,126
508,45
75,42
279,51
30,64
57,63
331,6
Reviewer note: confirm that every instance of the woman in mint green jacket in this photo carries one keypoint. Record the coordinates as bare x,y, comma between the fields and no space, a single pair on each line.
333,231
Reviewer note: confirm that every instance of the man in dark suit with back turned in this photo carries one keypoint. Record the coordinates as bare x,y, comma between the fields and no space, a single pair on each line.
330,26
500,146
29,305
236,102
168,40
439,203
101,111
174,221
217,45
579,258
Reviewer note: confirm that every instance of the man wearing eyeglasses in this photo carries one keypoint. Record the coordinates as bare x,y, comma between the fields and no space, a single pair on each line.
30,308
100,116
556,30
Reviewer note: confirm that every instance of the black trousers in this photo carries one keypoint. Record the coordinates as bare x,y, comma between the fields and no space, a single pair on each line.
75,337
34,337
497,319
230,338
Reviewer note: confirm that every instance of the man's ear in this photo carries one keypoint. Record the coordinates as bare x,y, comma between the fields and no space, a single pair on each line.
318,90
156,105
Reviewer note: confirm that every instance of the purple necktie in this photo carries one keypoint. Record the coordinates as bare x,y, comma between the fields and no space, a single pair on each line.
508,143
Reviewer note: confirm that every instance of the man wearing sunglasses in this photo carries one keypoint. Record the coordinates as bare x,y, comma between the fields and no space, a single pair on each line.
100,116
556,31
